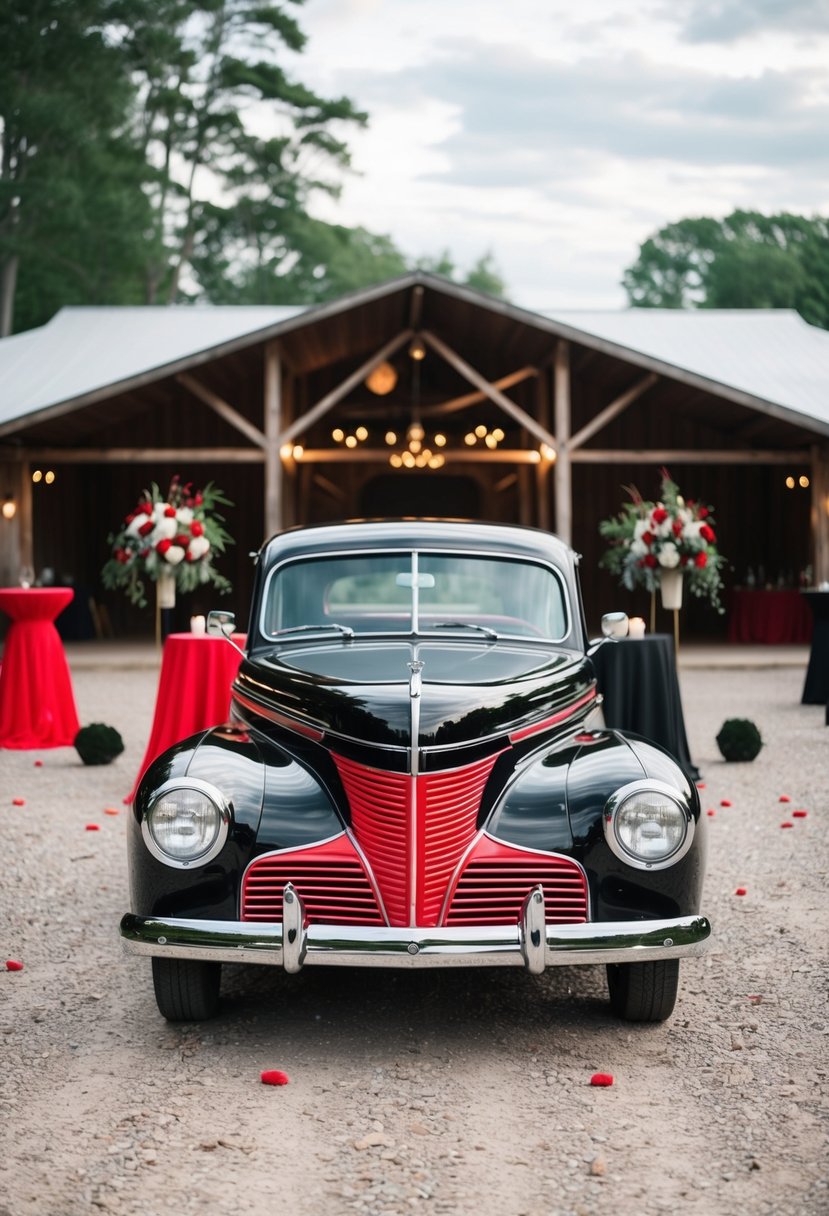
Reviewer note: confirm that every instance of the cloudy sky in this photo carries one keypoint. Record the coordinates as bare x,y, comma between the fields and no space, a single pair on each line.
560,135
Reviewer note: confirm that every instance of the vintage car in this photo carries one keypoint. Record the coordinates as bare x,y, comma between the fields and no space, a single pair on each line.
417,774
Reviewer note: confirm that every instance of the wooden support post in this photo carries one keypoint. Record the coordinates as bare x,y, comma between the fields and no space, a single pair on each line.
542,476
26,532
273,425
563,469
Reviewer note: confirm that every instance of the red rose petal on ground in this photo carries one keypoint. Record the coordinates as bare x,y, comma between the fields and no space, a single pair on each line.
711,813
13,964
38,764
700,785
784,798
92,827
111,810
799,814
741,891
787,824
272,1076
724,802
601,1078
18,801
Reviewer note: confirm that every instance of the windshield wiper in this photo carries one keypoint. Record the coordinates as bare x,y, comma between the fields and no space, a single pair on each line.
484,629
345,630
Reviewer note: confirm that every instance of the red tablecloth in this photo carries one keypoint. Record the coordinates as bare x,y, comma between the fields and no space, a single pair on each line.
774,617
37,705
193,690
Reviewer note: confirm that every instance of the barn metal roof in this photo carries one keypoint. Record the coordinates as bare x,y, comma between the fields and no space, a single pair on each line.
768,358
770,354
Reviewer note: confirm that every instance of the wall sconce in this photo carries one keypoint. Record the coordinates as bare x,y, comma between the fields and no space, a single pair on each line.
9,507
382,380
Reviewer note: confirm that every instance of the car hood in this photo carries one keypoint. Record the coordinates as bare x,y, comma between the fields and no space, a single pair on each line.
469,691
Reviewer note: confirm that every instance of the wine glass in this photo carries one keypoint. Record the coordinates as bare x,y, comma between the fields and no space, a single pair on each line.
27,576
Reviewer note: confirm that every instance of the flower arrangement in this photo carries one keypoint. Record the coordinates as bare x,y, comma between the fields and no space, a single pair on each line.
646,538
177,534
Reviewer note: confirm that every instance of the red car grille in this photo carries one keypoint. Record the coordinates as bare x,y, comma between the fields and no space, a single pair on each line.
497,879
330,879
414,831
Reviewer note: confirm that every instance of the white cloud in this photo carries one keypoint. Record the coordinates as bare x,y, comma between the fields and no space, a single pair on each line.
561,137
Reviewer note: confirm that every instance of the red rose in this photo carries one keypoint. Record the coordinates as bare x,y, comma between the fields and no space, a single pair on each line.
683,561
182,540
649,560
188,557
648,538
146,507
677,527
659,515
707,534
702,512
163,546
170,512
701,560
198,500
146,528
197,528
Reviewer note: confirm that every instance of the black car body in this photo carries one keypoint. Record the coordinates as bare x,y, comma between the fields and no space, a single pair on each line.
417,775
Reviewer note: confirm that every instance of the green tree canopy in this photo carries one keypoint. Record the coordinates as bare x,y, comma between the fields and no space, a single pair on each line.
746,260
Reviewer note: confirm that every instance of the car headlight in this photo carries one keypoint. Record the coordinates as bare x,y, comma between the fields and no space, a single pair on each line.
648,825
186,822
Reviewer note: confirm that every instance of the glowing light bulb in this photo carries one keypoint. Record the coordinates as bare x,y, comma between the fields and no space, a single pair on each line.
469,439
338,435
790,483
498,434
298,451
361,433
480,430
804,481
440,441
37,476
391,438
395,461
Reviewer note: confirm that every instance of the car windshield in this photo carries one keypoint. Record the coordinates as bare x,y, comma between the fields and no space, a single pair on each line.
478,596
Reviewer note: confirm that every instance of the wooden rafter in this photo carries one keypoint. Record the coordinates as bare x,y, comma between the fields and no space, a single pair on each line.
688,456
146,455
611,411
489,390
222,408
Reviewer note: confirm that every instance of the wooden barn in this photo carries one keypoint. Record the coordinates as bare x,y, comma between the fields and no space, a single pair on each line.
416,397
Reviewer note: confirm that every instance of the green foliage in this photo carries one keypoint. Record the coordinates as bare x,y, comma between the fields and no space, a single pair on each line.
98,743
746,260
483,275
739,740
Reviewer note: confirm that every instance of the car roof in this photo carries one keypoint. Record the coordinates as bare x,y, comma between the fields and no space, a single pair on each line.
505,539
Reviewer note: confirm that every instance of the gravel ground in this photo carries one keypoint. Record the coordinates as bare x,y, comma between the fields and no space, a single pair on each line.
434,1092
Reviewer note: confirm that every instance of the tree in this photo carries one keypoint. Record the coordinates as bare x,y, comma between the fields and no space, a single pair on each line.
483,275
71,211
210,74
746,260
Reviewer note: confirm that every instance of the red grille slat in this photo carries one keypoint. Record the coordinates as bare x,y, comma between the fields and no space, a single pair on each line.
497,878
330,878
414,831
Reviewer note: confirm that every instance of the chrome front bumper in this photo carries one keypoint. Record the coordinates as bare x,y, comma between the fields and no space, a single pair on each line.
531,943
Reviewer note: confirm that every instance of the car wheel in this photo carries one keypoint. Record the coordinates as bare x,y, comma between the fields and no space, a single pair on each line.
186,990
643,992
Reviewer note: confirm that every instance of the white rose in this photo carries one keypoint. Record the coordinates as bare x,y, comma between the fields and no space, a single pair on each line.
638,548
690,532
640,528
165,529
184,515
199,545
137,523
174,555
158,510
669,555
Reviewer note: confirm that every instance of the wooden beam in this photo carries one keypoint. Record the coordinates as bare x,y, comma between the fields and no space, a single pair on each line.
222,408
334,491
489,390
688,456
147,455
454,456
459,403
542,472
307,420
273,423
416,308
563,473
611,411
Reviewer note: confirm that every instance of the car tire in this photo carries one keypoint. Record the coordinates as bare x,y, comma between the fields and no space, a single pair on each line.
186,990
643,992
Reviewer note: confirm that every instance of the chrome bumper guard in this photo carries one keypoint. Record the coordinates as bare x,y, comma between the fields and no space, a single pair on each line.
530,943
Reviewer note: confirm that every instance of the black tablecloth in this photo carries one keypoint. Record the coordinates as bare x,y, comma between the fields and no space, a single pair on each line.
816,688
637,678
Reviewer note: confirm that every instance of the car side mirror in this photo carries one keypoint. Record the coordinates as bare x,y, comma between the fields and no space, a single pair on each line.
615,625
221,624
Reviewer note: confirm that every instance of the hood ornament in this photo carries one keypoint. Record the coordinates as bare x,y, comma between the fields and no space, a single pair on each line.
415,667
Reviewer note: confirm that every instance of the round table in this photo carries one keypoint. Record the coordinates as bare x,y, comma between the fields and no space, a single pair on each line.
637,678
197,671
37,704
